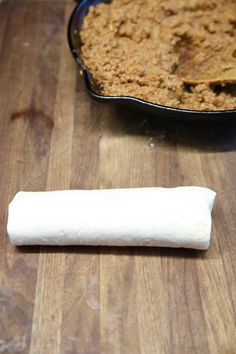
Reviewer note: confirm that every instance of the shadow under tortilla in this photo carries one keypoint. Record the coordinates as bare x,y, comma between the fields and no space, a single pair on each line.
117,251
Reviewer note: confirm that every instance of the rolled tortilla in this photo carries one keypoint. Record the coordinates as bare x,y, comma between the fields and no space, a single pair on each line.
164,217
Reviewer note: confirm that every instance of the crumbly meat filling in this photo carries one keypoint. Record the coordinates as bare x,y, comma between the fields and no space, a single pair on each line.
164,51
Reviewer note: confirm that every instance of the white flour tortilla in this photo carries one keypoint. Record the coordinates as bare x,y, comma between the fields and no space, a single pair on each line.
163,217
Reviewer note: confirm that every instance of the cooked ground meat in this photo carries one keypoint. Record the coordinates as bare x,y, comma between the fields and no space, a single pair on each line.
156,50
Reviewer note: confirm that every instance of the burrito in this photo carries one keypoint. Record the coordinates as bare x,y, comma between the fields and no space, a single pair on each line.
156,217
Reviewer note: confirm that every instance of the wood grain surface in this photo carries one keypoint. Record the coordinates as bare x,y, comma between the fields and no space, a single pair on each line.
104,300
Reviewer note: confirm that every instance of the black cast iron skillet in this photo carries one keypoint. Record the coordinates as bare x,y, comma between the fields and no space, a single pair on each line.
159,111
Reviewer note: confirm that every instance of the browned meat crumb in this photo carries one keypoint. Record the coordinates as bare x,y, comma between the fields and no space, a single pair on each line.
144,49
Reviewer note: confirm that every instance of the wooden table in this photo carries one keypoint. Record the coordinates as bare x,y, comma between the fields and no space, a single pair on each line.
104,300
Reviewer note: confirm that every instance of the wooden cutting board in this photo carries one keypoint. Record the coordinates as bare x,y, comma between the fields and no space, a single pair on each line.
104,300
